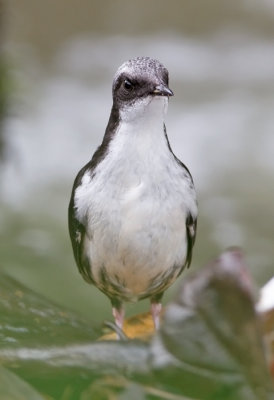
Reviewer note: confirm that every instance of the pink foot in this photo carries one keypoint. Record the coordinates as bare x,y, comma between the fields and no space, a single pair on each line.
118,314
156,309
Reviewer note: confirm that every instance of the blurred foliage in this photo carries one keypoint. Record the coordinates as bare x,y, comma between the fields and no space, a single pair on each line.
14,388
107,17
3,79
209,346
6,88
3,88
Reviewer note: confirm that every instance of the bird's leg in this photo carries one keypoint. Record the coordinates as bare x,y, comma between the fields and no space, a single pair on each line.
155,309
118,312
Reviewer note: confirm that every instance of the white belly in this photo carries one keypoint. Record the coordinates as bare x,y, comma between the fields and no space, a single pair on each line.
137,240
134,208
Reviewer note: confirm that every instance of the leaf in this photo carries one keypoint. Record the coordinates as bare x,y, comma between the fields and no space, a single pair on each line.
213,332
14,388
209,345
28,319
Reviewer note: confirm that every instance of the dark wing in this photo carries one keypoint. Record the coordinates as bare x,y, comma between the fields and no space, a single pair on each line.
191,225
77,231
191,221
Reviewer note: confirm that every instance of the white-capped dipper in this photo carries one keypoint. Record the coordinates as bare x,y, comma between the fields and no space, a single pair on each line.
133,208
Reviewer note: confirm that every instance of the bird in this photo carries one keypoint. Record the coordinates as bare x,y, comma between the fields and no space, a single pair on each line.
133,208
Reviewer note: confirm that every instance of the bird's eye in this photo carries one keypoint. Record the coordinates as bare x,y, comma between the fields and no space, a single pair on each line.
127,84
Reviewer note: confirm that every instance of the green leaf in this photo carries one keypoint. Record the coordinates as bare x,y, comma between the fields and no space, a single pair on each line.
209,345
14,388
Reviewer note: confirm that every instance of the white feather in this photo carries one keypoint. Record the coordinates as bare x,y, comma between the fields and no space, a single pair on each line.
136,203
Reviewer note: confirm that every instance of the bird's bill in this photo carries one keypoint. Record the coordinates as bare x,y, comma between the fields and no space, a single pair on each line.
162,90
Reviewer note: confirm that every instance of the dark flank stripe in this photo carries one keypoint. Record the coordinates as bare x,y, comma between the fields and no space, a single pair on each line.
77,229
188,174
191,227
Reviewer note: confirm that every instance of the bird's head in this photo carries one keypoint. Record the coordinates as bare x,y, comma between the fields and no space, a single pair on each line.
141,85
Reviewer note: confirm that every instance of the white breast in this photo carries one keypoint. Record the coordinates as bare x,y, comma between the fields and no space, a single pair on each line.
136,206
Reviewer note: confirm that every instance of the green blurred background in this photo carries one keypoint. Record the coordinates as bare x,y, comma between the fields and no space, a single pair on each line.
61,57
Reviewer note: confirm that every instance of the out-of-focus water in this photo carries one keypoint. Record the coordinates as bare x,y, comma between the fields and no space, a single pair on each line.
220,123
